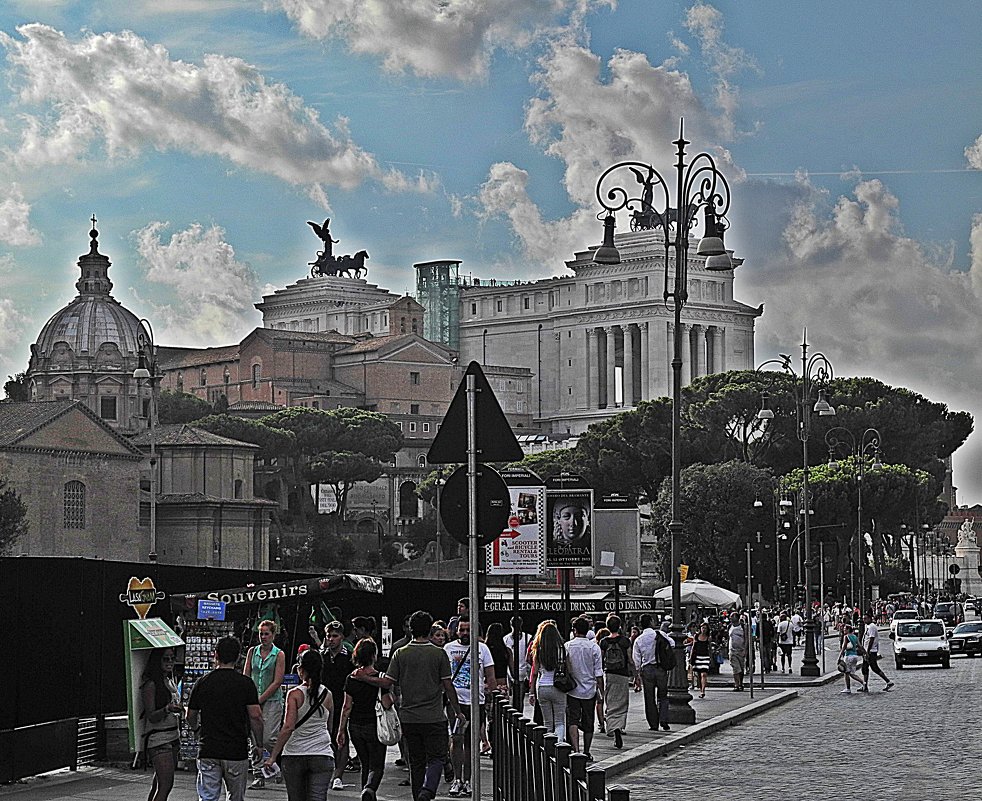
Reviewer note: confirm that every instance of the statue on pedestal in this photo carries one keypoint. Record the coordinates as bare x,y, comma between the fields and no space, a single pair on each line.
966,534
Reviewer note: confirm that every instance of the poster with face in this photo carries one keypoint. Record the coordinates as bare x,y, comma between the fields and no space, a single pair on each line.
569,532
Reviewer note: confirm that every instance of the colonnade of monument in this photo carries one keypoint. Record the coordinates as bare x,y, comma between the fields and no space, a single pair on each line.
644,352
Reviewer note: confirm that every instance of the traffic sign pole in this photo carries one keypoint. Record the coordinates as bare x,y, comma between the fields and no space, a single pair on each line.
477,670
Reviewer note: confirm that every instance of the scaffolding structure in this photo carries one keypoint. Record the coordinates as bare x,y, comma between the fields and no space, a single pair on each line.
438,287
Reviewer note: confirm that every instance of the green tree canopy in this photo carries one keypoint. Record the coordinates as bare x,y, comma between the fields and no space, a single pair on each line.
16,387
342,469
180,407
273,442
716,507
13,517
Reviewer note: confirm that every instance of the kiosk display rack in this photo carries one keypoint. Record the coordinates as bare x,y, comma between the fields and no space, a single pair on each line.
200,637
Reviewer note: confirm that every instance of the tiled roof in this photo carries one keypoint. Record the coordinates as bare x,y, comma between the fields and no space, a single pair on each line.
254,406
200,497
368,345
315,336
173,358
20,419
185,434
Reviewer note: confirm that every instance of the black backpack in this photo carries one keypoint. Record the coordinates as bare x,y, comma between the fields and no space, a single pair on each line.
664,653
614,657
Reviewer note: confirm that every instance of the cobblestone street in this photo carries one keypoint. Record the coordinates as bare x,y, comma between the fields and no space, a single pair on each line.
918,741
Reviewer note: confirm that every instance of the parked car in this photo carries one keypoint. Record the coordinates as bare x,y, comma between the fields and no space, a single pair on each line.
966,639
902,614
921,642
951,612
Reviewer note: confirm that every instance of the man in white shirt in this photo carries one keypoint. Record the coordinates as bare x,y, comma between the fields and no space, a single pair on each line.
585,664
797,626
871,643
650,676
460,664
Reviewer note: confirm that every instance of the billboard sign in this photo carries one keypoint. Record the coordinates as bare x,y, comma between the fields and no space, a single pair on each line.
519,550
616,538
569,522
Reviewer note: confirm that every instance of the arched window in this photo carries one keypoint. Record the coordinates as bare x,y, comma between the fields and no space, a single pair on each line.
408,502
204,377
421,461
257,373
75,505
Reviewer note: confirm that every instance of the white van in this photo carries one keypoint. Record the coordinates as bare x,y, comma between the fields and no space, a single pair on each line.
919,642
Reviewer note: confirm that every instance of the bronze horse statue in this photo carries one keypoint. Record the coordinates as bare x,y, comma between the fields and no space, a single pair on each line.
347,266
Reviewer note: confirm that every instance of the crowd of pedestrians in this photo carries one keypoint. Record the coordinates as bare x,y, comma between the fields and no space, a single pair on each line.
578,681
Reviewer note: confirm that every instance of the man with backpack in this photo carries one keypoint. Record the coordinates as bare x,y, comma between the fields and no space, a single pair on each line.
654,659
618,667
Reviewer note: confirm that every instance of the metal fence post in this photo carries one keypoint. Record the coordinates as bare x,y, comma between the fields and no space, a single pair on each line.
564,786
618,793
596,784
551,776
577,776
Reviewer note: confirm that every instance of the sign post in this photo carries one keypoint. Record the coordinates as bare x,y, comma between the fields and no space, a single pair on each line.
475,419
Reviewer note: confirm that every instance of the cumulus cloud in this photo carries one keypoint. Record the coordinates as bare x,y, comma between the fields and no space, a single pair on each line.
214,293
973,154
872,298
15,224
589,121
453,38
724,61
13,324
117,91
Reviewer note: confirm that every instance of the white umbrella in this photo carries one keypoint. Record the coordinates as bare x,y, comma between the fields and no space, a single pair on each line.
703,593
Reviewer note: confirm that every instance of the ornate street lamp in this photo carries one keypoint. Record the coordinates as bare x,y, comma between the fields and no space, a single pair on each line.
700,188
146,370
781,506
866,448
816,371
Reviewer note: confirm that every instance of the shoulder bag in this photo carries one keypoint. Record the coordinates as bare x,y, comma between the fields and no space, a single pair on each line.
561,679
387,724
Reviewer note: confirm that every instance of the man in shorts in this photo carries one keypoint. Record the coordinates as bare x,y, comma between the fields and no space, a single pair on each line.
738,648
459,654
585,663
336,667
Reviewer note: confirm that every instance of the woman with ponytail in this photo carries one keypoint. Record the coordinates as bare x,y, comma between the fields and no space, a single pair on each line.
305,739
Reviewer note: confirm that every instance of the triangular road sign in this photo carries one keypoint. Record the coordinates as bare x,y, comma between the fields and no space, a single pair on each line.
495,440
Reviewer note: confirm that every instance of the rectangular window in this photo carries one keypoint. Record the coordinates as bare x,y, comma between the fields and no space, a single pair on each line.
414,378
412,428
414,408
107,408
426,428
75,505
499,305
526,303
399,423
473,308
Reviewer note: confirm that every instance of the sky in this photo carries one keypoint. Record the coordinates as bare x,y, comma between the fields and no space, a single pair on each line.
203,134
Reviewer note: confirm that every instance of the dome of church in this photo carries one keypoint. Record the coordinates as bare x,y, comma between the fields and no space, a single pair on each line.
94,321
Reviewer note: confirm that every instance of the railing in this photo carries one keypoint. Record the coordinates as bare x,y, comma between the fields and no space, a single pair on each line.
531,765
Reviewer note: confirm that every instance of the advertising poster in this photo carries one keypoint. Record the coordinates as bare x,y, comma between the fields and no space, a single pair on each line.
616,539
569,527
519,550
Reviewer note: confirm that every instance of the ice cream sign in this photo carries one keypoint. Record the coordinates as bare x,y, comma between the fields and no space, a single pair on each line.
141,595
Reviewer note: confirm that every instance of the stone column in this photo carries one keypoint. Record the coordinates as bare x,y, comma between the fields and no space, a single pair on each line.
699,346
667,361
561,400
645,366
611,364
592,382
628,372
686,354
718,365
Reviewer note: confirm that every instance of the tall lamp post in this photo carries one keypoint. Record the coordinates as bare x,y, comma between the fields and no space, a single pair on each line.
861,451
816,371
440,481
781,506
146,370
700,188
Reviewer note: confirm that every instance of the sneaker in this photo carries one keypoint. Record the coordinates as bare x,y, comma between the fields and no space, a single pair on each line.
665,727
890,686
337,784
845,692
589,756
465,788
863,689
258,784
455,788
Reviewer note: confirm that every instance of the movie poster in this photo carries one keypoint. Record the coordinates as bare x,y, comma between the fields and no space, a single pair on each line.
569,528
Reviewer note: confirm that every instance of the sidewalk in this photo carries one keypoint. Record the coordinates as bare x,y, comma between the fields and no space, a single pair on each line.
720,708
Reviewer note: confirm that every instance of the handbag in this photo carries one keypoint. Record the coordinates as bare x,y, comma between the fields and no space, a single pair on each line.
841,665
561,679
387,724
